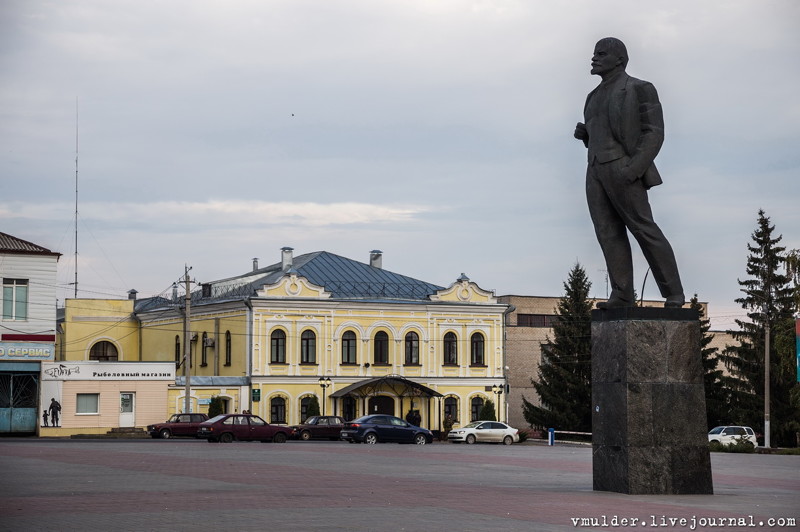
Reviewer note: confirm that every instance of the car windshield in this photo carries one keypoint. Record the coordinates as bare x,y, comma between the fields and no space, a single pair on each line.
473,425
219,417
716,430
174,418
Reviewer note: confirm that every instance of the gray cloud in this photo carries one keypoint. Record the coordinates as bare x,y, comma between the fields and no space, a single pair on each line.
439,132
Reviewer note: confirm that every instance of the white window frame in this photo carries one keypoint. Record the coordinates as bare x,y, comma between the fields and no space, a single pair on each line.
77,405
13,288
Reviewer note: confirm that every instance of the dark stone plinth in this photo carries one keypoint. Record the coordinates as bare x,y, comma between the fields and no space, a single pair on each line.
649,412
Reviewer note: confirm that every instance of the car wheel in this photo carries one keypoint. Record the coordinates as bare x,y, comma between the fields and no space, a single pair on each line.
371,438
226,438
279,438
420,439
305,435
165,434
508,440
470,438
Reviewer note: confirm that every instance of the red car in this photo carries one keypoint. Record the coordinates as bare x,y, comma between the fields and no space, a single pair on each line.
244,427
177,425
319,427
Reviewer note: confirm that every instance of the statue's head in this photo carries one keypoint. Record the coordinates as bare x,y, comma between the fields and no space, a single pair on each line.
610,54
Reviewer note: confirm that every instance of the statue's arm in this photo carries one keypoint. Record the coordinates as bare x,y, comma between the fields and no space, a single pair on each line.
581,133
651,134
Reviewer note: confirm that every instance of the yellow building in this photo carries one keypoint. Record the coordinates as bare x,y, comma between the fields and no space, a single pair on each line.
360,338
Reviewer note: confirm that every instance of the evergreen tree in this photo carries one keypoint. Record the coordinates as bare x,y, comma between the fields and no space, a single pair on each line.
313,407
487,411
565,373
769,300
215,406
717,399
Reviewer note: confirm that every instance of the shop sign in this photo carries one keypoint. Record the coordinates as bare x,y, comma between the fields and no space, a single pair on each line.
108,371
256,395
26,351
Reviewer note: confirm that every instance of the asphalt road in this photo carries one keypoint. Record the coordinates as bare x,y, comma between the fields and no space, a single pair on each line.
49,484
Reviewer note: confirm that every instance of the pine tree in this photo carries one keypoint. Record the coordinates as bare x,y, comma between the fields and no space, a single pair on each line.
313,407
487,411
768,298
215,406
717,399
565,373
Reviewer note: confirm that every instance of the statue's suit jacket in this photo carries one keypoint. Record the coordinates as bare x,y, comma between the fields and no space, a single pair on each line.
637,124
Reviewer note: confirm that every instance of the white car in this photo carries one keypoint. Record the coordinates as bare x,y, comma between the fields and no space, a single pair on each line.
484,431
732,434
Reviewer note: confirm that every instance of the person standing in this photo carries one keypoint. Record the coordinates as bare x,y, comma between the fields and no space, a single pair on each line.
624,131
55,408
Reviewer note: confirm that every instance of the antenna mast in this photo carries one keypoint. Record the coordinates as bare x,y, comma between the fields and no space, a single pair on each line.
76,197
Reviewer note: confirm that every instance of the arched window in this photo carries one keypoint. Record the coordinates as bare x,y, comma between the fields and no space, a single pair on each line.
177,350
277,410
304,402
412,348
475,408
204,351
476,350
103,351
451,408
227,348
450,349
381,348
308,348
349,347
278,347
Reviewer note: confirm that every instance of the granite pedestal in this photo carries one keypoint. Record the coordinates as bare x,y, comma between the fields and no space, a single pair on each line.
649,433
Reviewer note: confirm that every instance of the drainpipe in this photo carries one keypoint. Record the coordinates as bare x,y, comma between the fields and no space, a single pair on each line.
216,346
249,334
509,310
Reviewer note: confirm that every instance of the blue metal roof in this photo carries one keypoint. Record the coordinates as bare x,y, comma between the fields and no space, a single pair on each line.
343,278
349,279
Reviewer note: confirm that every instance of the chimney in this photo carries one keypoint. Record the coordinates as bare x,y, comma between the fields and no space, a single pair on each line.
286,258
255,263
132,294
376,258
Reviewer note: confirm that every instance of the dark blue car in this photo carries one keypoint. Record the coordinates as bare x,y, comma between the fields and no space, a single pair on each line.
382,428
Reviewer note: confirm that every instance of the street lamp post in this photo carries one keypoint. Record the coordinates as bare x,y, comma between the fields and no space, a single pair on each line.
324,382
497,389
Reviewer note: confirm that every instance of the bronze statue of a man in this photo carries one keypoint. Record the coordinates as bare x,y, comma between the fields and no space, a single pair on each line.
623,131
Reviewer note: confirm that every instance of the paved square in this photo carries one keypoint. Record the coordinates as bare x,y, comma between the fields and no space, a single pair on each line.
194,485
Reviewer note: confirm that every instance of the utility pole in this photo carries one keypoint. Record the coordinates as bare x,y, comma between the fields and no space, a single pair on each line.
766,384
187,343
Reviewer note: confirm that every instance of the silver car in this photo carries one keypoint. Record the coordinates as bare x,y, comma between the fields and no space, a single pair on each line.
484,431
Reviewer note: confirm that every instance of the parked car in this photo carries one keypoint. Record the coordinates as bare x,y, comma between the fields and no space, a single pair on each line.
244,427
178,425
484,432
383,428
732,434
316,427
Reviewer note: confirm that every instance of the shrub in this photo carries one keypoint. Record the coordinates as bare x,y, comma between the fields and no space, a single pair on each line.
215,407
487,411
313,407
741,445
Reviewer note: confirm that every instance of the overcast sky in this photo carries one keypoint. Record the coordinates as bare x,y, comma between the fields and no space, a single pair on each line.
438,131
